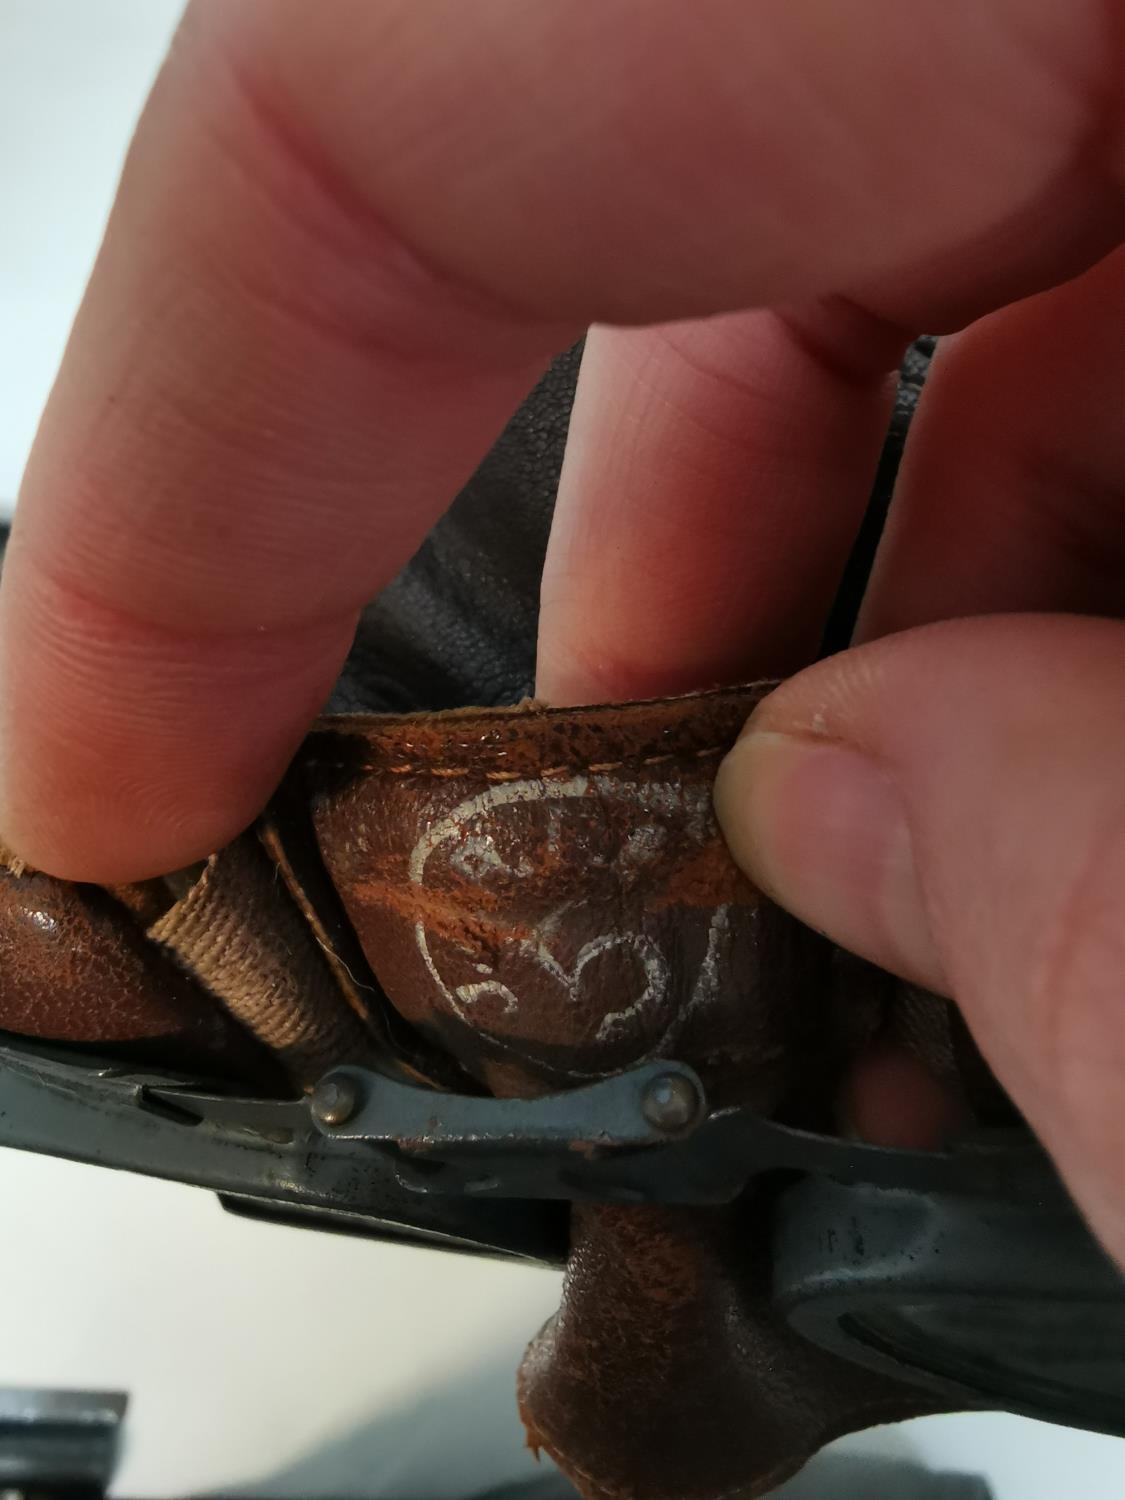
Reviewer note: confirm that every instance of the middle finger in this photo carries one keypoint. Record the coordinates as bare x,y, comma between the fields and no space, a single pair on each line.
714,479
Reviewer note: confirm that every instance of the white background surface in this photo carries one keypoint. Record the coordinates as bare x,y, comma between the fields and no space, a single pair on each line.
296,1363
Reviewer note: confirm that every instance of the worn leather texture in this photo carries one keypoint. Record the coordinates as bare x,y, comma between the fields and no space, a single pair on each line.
517,901
76,966
545,896
458,626
238,932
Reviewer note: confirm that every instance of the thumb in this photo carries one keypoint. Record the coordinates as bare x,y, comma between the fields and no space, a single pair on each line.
950,803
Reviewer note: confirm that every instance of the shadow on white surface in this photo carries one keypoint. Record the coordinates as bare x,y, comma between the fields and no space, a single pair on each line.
839,1476
244,1347
430,1449
433,1448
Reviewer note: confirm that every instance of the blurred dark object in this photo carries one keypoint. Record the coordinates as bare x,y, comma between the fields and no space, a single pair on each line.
58,1445
912,377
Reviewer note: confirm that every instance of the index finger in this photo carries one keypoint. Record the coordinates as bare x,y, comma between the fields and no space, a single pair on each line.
345,241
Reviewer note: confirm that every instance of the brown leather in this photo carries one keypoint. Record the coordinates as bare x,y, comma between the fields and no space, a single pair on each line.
218,969
666,1374
75,966
237,931
543,897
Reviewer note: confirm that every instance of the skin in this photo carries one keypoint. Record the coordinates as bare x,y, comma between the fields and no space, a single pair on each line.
337,222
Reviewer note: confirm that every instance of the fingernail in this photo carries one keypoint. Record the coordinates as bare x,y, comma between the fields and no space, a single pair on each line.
821,828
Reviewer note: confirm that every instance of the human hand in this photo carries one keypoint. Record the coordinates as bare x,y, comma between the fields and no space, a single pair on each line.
347,239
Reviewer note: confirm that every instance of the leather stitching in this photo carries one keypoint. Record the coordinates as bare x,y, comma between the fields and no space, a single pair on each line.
548,773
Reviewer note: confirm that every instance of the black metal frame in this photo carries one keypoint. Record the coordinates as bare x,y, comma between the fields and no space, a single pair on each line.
1002,1302
867,1240
262,1157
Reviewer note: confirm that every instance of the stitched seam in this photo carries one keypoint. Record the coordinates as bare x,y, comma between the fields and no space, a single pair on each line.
548,773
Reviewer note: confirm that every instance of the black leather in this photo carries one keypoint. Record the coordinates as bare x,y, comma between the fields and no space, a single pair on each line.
458,625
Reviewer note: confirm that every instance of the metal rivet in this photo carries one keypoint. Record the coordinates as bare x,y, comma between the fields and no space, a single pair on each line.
335,1101
671,1102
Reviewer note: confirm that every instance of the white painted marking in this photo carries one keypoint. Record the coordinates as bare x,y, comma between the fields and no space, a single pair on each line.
477,856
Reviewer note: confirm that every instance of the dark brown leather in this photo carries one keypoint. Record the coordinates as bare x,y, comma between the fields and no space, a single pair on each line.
218,969
666,1374
543,897
75,966
544,893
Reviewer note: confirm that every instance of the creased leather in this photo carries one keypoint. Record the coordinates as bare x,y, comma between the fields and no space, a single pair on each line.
510,873
237,931
545,895
458,625
666,1375
75,966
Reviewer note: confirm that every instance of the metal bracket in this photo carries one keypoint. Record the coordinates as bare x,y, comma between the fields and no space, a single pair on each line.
369,1153
265,1158
645,1135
